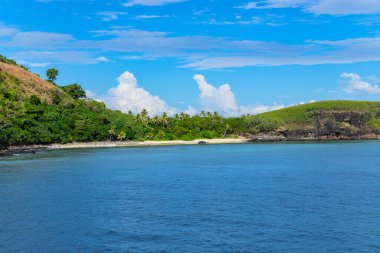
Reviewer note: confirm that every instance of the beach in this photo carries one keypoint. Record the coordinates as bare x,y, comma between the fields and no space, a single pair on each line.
109,144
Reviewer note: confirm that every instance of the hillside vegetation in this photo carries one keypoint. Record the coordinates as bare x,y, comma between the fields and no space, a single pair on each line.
37,111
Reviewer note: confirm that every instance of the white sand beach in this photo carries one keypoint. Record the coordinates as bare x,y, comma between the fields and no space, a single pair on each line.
108,144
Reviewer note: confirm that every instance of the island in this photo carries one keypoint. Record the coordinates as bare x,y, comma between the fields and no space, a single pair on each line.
37,113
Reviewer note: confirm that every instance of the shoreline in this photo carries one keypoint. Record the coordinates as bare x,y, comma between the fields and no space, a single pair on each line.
32,149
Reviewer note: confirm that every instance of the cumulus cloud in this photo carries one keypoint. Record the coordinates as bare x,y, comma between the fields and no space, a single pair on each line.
353,83
128,96
222,100
151,2
191,111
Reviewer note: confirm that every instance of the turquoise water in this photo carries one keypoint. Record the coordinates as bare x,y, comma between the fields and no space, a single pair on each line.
320,197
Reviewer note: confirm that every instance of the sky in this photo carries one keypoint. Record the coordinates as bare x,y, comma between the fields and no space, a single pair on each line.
231,56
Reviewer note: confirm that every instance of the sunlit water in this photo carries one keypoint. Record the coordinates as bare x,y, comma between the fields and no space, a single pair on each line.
316,197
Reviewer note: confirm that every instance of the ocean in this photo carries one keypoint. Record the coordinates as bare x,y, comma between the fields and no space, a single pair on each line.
278,197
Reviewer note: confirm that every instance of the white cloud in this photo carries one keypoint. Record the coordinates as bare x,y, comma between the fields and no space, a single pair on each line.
346,7
353,83
151,16
36,39
272,4
128,96
151,2
199,52
330,7
34,64
222,100
110,15
7,31
102,59
76,57
191,111
257,109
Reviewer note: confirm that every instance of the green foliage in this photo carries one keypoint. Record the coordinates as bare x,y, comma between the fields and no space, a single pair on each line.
52,74
75,91
8,61
263,123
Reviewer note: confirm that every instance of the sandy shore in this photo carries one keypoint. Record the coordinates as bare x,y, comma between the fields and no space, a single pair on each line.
107,144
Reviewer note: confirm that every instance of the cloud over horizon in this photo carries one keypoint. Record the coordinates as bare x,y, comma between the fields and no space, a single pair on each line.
353,83
128,96
222,100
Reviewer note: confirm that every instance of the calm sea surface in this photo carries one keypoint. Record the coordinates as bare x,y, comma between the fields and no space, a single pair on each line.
320,197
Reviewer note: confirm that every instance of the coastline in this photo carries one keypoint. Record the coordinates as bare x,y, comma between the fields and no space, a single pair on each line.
31,149
265,138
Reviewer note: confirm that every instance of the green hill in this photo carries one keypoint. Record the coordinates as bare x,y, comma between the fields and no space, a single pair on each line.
341,118
36,111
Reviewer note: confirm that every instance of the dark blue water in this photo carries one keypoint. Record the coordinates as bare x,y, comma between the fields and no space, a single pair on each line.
321,197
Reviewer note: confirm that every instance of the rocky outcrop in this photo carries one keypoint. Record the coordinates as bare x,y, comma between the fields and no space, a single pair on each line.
328,125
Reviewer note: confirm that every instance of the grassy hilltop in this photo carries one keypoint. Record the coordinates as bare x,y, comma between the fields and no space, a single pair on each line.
329,119
301,116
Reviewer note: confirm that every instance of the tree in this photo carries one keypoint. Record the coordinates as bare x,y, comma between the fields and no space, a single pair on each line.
164,119
142,117
111,133
75,91
52,74
121,136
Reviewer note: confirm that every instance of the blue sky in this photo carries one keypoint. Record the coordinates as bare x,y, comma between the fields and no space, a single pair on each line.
189,55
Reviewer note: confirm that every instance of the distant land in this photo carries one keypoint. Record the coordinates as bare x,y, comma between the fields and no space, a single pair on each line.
34,111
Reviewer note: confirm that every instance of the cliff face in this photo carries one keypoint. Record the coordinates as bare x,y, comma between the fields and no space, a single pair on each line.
329,125
336,125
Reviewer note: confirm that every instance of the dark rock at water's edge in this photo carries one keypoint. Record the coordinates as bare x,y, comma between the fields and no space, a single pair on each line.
327,126
12,151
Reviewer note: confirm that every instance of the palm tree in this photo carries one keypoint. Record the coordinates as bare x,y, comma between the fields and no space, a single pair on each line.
142,117
121,136
111,133
155,120
227,126
164,119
